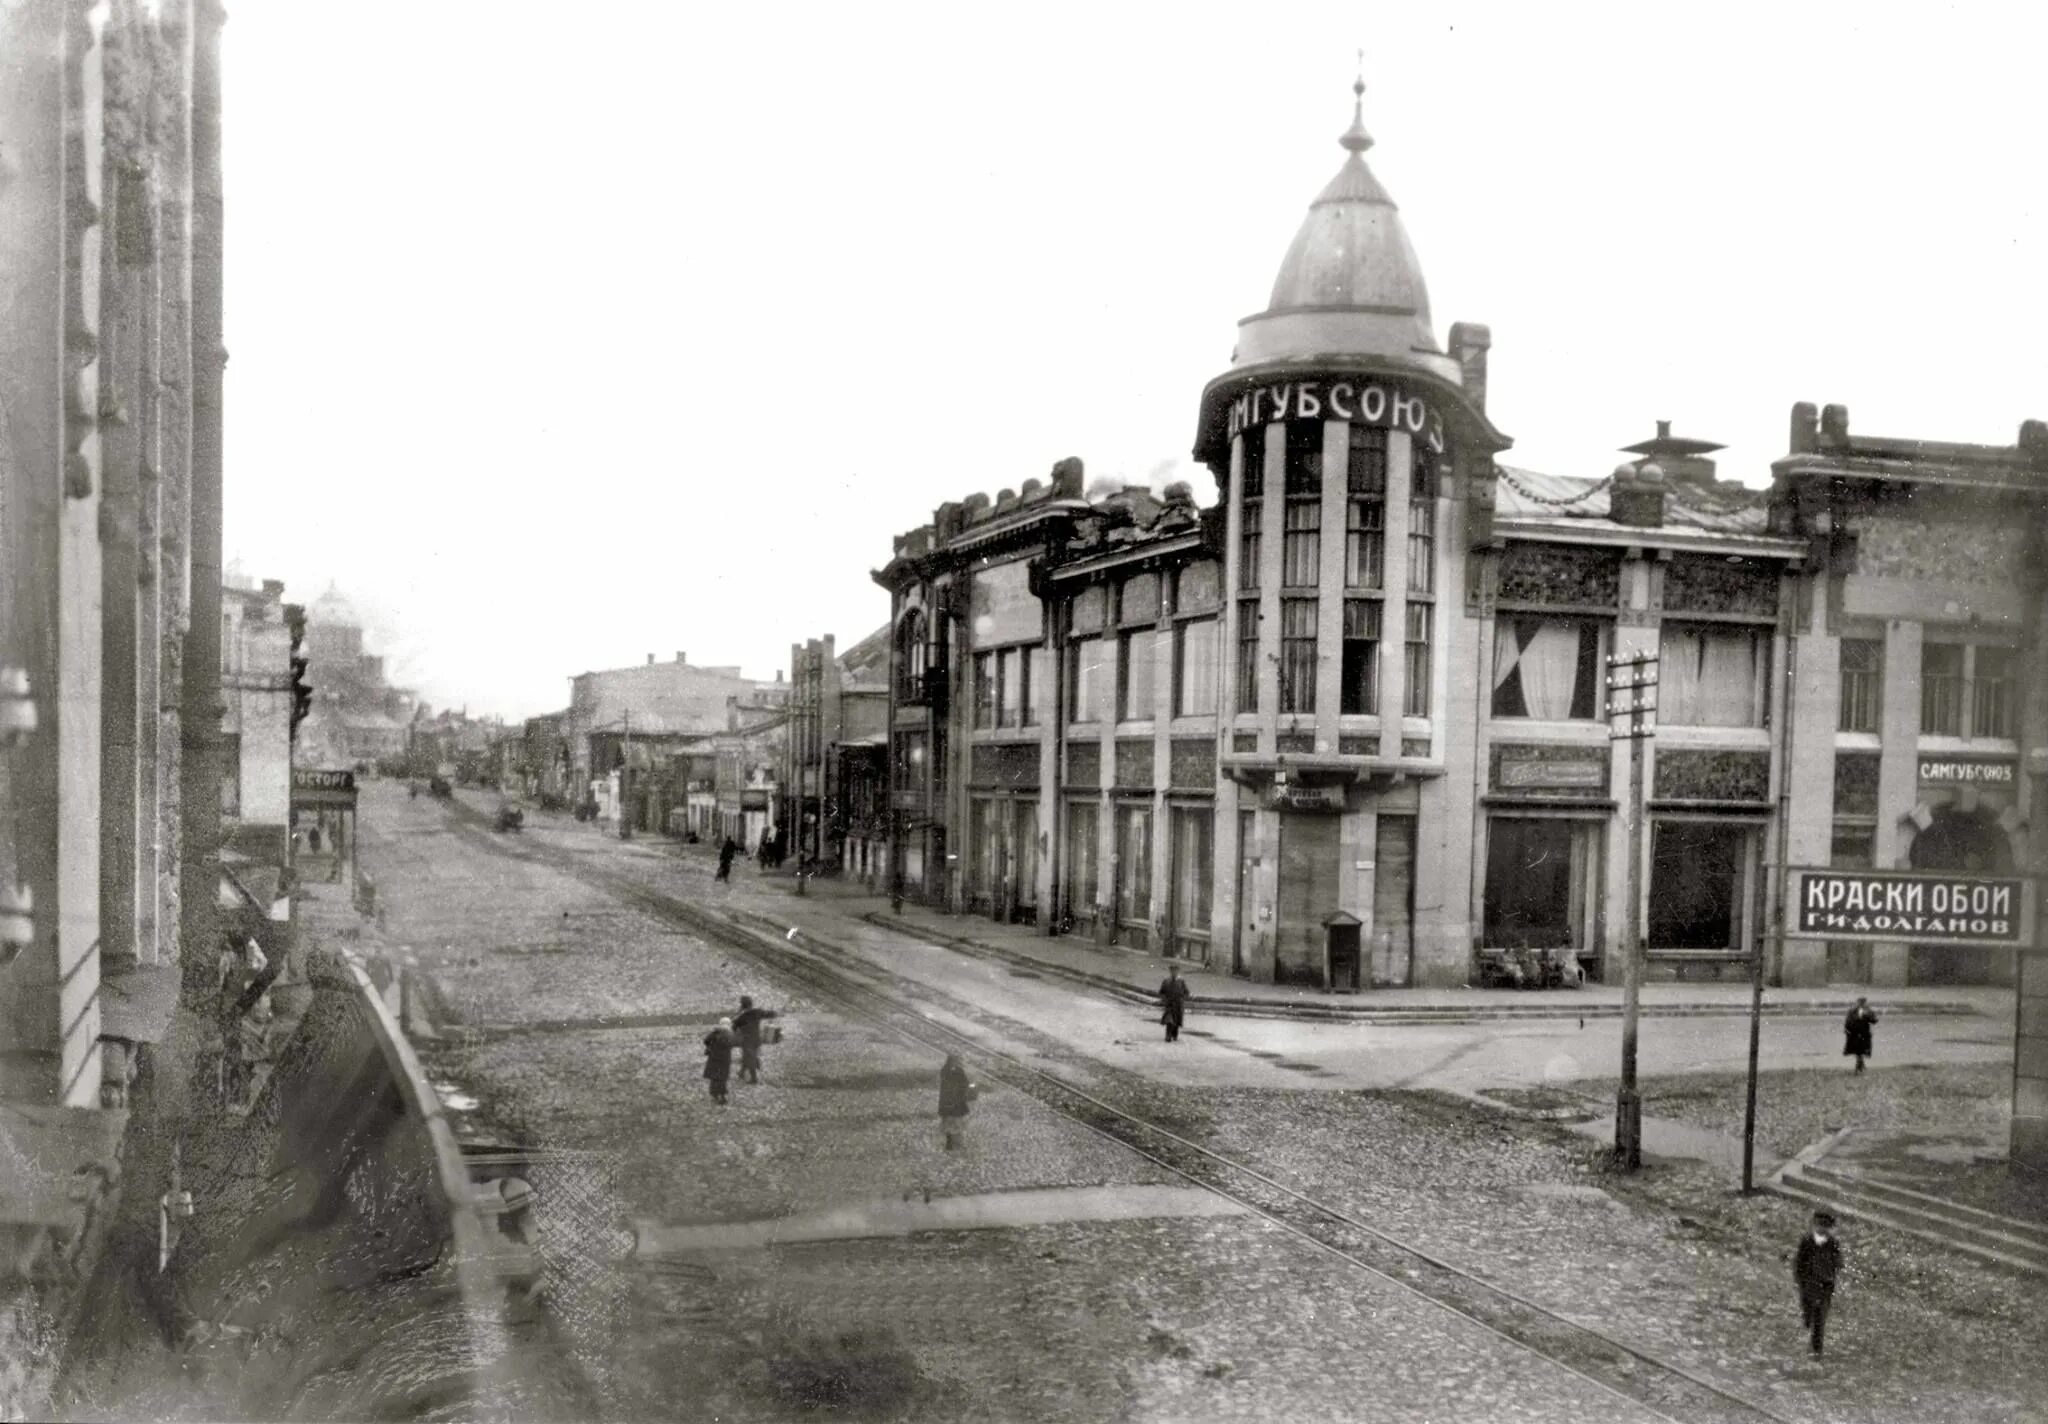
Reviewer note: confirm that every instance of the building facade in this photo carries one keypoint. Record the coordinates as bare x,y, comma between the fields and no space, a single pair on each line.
832,775
257,687
1364,692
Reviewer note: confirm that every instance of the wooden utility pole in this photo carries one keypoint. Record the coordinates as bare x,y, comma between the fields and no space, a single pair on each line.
1629,679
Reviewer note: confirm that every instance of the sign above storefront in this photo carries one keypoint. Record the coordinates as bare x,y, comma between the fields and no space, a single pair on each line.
1289,796
1967,771
1908,905
1364,400
1529,774
323,788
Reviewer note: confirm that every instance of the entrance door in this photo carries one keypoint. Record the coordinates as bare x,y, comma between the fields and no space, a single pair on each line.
1972,843
1246,925
1308,895
1393,901
1024,860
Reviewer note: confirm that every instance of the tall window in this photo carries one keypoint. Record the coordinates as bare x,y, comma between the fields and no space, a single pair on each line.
1081,859
1188,835
1542,878
1862,684
1712,675
1361,674
1012,675
1037,684
1297,655
984,689
1699,877
1551,669
1365,510
1991,692
1421,621
1134,676
1194,668
1084,680
1248,655
1301,547
1252,510
1422,519
910,657
1941,690
1134,864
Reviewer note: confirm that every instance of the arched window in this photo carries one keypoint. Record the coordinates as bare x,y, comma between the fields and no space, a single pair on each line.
910,657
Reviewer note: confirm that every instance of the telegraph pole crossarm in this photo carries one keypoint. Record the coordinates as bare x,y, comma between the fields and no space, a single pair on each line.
1631,709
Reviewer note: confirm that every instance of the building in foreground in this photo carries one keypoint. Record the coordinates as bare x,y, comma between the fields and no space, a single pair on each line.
1365,688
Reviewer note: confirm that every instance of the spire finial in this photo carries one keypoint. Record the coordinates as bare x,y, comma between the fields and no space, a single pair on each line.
1355,138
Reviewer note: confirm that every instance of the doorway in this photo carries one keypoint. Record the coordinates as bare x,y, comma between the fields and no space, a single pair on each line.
1393,901
1308,893
1246,924
1970,843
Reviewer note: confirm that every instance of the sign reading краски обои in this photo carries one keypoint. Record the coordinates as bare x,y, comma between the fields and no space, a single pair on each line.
1893,904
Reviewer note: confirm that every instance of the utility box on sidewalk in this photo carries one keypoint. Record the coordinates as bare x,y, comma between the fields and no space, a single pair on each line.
1342,968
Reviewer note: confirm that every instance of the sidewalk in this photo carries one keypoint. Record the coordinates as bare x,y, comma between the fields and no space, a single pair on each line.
1135,975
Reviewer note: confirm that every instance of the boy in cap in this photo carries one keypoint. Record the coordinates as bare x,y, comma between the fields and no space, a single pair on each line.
718,1059
746,1027
1818,1263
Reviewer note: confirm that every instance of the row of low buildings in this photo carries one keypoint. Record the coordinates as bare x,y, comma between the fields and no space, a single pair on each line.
1364,678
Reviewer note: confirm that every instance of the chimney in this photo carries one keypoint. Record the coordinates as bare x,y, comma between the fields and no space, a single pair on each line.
1805,429
1834,426
650,660
1638,495
1470,341
679,656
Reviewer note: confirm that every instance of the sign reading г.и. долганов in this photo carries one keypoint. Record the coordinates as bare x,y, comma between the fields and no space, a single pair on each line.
1892,904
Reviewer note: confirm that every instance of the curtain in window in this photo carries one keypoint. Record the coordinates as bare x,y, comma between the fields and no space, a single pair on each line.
1550,670
1196,693
1137,677
1134,864
1081,858
1730,689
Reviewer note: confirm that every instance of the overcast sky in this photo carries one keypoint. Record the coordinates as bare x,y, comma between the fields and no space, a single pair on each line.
564,334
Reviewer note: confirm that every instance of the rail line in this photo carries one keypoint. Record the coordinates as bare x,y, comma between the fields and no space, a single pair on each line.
1662,1387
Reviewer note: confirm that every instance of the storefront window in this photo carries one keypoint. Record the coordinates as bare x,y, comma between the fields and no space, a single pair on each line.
1194,668
1713,676
1081,883
1134,676
1541,879
1549,669
1699,874
1084,680
1192,869
1134,865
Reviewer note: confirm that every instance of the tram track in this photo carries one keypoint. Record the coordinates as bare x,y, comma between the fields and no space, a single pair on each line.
1663,1388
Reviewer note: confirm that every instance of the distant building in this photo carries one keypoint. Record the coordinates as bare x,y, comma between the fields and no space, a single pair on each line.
358,719
834,776
256,718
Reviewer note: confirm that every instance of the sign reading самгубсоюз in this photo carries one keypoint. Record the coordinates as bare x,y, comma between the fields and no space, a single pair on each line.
1362,400
1920,906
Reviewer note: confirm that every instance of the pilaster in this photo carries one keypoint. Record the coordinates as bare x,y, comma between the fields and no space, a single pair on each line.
1897,776
1394,615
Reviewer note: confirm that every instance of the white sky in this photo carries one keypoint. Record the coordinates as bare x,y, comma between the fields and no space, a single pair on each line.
566,334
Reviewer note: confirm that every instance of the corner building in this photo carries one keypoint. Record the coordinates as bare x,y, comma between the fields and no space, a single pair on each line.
1366,688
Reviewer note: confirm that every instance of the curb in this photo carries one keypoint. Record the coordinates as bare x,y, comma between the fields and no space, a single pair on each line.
1388,1014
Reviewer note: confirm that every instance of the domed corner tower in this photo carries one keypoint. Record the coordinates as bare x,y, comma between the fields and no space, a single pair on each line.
1355,461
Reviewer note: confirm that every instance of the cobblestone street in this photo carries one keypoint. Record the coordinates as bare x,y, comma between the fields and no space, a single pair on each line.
571,1021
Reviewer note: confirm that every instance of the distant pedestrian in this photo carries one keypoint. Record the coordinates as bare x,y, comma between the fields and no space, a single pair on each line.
1815,1268
726,853
718,1059
1173,996
764,851
955,1093
746,1027
313,840
1856,1032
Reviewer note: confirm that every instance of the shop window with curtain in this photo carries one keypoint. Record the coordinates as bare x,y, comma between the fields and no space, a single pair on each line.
1194,668
1081,882
1699,884
1189,835
1248,655
1542,882
1422,519
1297,655
1548,669
1037,669
1134,865
1010,679
1084,680
1862,685
1134,676
1365,508
1360,680
1421,626
984,690
1712,675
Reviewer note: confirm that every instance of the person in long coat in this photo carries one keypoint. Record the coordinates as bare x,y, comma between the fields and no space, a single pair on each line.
726,852
718,1059
746,1027
1856,1032
955,1093
1815,1267
1173,996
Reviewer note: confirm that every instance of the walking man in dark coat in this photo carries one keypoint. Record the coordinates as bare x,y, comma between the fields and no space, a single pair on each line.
955,1093
1174,995
1856,1032
725,854
718,1059
746,1027
1816,1266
